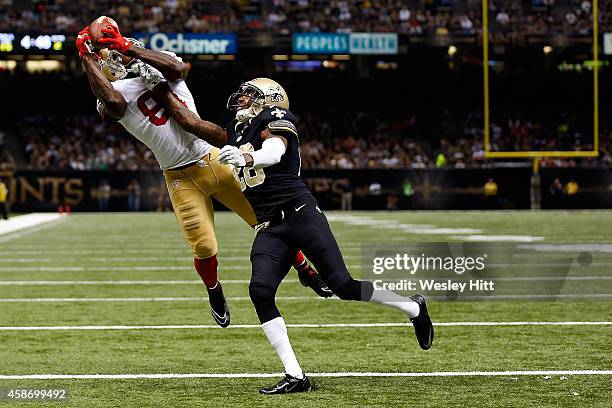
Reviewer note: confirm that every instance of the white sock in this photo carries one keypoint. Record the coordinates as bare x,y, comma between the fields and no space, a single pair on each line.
276,332
388,298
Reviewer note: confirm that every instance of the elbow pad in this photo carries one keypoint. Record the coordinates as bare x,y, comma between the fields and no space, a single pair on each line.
271,152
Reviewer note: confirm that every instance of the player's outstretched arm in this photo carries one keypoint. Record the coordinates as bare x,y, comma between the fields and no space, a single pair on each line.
188,120
171,68
272,150
114,102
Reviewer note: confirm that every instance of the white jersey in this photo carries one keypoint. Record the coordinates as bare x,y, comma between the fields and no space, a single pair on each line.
146,119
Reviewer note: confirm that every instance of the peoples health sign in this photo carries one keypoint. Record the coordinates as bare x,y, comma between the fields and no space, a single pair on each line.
190,43
345,43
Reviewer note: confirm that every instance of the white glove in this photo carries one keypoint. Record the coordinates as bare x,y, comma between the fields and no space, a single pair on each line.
149,75
231,155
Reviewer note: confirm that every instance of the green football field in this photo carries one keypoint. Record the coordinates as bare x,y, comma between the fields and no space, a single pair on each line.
113,295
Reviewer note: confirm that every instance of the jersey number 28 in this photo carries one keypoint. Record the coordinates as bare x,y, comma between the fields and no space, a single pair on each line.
248,176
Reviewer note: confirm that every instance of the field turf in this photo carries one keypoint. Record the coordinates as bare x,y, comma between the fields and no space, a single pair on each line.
136,270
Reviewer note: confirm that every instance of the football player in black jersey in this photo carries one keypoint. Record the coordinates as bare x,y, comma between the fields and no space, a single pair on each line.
262,145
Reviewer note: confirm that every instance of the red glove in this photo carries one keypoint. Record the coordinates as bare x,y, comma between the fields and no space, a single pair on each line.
115,41
83,42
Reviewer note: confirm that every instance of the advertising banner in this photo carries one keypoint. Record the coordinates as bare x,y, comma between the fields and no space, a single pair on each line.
190,43
345,43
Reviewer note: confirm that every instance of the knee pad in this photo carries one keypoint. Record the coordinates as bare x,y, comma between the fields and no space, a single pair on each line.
204,247
261,294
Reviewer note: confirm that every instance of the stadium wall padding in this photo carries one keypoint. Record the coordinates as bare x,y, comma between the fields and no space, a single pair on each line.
372,189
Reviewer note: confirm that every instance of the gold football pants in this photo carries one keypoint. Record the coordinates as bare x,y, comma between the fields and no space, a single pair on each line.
191,190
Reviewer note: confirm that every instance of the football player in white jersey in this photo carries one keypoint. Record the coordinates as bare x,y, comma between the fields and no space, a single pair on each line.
190,166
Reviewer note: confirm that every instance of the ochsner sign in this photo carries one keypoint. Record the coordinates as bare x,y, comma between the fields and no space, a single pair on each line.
190,43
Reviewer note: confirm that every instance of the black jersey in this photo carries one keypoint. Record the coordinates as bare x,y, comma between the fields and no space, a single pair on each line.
270,188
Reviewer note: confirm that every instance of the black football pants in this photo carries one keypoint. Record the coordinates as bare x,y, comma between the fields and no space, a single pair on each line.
299,225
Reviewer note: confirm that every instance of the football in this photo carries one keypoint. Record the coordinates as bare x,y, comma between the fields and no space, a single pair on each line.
95,29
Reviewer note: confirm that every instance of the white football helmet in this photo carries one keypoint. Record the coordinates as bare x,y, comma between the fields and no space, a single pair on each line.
255,95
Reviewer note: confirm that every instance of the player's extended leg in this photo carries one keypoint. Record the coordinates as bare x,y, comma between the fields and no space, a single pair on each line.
271,259
319,244
194,212
230,195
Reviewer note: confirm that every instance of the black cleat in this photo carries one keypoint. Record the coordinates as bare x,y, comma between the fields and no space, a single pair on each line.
218,306
423,328
288,385
311,279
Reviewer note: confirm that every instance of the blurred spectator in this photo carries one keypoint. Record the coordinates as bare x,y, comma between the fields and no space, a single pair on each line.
341,140
556,188
375,189
344,189
134,195
81,143
509,20
104,194
392,201
490,194
4,205
490,188
571,188
440,160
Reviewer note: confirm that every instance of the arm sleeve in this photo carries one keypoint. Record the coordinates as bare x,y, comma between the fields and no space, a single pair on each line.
272,149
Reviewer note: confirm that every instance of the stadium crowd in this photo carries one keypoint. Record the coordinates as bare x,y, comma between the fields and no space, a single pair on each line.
329,140
508,19
81,143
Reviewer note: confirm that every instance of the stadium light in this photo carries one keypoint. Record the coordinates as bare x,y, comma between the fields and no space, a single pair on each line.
452,50
547,49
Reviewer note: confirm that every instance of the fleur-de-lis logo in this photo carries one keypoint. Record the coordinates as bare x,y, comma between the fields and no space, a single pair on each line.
278,113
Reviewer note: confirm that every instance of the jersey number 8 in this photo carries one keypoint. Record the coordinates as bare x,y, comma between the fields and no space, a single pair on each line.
248,176
152,113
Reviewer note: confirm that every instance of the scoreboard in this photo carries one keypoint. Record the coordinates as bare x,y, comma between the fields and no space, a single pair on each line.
12,43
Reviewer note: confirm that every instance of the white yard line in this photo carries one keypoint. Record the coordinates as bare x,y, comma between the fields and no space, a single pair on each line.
221,259
295,325
497,238
145,299
572,248
178,250
245,267
461,234
269,375
246,281
122,282
425,229
290,298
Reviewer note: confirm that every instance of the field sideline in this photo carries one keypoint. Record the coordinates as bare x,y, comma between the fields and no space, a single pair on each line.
109,307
